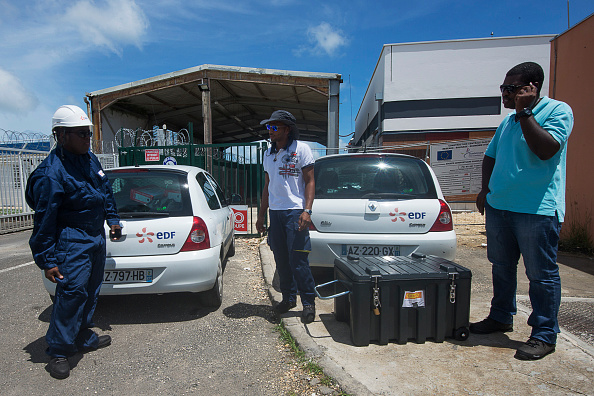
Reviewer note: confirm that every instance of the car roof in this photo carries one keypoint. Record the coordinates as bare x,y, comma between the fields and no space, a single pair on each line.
183,168
374,154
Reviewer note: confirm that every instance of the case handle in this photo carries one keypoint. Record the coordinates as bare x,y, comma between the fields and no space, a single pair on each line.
344,293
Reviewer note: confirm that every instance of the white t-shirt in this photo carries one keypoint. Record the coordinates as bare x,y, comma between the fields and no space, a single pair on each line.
286,189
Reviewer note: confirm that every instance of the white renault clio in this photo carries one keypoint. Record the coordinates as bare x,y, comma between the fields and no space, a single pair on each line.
177,230
378,205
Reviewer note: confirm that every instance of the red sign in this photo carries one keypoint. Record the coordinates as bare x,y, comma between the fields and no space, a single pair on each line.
151,155
240,217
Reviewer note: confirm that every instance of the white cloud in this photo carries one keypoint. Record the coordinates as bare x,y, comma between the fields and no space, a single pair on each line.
325,38
114,24
14,97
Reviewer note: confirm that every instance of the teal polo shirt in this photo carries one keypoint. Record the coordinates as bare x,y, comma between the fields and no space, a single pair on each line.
521,182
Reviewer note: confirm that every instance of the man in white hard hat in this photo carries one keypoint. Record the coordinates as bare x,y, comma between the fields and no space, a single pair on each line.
72,199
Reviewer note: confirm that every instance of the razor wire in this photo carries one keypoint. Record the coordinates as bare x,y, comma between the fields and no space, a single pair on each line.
126,137
8,137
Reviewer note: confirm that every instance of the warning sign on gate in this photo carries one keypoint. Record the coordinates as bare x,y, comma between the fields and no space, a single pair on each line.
151,155
240,215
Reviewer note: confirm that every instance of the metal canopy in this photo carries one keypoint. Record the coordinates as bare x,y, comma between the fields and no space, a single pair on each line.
237,99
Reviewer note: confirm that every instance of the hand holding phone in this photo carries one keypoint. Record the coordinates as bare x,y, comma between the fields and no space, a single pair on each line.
115,233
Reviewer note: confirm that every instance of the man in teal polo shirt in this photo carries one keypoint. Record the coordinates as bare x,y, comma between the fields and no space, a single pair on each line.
523,196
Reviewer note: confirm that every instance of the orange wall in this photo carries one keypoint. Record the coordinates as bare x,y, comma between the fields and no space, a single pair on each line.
572,81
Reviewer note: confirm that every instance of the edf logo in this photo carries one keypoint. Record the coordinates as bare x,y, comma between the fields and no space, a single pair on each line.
149,235
410,215
416,215
165,235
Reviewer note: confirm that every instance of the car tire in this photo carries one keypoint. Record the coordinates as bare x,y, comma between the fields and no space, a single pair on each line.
214,297
231,251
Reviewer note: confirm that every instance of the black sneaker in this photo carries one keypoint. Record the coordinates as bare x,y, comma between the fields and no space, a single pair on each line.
309,314
284,306
534,349
488,326
59,367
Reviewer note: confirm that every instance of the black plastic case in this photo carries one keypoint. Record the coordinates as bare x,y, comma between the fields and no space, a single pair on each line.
403,298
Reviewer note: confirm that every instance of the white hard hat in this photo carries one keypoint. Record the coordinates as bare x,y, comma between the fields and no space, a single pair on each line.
70,116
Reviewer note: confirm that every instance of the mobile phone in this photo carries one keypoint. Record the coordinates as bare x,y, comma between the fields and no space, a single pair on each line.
115,234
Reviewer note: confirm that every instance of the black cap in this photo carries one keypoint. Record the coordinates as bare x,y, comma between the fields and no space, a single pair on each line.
281,115
286,118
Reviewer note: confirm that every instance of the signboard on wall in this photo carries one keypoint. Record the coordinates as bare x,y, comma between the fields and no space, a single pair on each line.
240,218
151,155
458,165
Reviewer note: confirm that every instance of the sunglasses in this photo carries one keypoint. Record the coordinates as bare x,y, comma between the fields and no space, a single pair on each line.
82,133
510,88
274,127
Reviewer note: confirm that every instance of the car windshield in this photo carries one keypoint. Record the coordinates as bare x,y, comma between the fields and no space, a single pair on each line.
373,177
150,193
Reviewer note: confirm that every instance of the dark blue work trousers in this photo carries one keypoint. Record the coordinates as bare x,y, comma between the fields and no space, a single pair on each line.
291,248
76,295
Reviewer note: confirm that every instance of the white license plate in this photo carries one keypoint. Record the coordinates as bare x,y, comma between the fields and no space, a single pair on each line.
371,250
128,276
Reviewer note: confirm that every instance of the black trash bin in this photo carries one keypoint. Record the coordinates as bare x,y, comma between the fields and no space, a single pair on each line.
403,298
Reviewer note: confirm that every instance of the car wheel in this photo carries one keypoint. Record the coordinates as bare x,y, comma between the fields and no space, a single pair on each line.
214,297
231,251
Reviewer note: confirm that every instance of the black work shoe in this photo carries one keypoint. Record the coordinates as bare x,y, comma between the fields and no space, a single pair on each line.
488,326
309,314
534,349
59,367
104,341
284,306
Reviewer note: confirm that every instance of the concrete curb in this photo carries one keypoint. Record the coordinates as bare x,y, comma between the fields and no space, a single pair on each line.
299,332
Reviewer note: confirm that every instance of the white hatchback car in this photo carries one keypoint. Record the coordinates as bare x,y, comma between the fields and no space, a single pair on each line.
378,204
177,230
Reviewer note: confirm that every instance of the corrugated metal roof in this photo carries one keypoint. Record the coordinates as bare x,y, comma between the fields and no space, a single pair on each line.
240,98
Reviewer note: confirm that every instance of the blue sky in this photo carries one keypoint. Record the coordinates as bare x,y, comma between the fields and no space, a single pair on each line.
52,52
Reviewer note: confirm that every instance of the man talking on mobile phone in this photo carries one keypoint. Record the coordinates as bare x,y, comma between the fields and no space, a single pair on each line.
523,198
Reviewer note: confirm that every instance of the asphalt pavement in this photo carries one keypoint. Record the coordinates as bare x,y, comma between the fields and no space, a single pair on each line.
167,344
481,365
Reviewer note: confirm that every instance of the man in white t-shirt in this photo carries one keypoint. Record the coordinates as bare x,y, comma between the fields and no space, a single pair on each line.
288,193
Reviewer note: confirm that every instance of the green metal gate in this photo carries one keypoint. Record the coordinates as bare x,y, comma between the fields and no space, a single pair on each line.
236,167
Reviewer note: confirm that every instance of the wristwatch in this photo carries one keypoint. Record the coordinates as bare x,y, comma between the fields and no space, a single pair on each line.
308,211
526,112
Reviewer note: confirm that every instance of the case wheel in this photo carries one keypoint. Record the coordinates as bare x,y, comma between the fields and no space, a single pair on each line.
461,334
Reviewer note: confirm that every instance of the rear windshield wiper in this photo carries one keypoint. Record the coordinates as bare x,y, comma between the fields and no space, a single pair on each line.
140,215
388,196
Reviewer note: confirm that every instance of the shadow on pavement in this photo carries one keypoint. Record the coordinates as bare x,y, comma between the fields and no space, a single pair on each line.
243,310
144,309
578,262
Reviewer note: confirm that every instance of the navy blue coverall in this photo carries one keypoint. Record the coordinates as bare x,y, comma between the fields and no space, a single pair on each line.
72,199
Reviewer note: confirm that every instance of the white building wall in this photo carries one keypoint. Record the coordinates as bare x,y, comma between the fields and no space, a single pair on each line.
445,70
369,107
